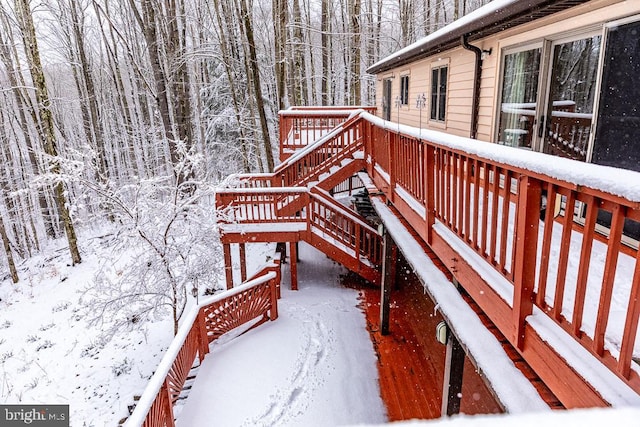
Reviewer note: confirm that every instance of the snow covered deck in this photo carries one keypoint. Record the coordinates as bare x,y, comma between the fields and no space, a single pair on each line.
314,366
538,276
533,239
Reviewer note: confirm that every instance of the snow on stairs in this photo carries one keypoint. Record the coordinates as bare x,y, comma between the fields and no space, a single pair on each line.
338,231
184,393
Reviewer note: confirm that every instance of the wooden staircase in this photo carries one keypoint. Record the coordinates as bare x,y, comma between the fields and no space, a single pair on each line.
294,203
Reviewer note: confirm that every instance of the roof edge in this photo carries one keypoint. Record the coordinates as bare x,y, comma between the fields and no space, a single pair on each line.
487,20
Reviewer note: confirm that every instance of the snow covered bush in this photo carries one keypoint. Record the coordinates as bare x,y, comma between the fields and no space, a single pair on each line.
167,250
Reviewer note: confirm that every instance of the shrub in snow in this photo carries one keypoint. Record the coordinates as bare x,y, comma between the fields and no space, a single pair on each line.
124,367
169,236
44,345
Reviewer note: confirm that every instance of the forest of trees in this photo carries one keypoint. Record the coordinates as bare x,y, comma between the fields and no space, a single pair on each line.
107,102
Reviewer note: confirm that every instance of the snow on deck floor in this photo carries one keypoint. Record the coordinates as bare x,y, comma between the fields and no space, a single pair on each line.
314,366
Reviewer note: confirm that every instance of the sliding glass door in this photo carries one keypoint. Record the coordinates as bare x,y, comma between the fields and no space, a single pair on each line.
518,104
570,103
547,96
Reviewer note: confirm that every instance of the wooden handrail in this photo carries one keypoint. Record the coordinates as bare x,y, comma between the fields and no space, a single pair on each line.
300,126
214,316
279,206
310,162
495,208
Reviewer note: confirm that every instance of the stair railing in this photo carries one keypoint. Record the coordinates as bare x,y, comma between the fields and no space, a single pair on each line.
277,207
254,301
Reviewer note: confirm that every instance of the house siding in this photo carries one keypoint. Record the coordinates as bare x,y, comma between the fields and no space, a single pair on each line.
589,16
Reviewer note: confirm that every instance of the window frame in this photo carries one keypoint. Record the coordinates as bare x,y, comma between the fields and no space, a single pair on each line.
441,93
403,97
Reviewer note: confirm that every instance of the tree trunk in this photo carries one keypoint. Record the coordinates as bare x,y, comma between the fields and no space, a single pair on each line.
22,104
149,28
356,87
279,12
94,127
325,28
8,252
46,117
255,77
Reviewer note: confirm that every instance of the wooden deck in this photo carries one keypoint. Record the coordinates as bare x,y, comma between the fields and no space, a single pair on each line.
513,261
411,363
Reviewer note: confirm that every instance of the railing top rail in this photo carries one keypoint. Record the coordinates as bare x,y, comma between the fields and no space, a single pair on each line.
324,139
332,110
264,190
621,185
316,113
157,380
323,196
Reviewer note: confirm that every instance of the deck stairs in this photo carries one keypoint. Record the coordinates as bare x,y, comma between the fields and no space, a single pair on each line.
508,280
294,203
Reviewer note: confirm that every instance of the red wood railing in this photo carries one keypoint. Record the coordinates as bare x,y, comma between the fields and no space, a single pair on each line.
569,134
255,300
349,186
300,126
342,234
495,209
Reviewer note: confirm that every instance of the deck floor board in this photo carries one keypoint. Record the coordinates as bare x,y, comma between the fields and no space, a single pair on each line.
411,361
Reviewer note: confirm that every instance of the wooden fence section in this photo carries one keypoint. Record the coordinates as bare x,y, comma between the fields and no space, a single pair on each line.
300,126
548,261
255,300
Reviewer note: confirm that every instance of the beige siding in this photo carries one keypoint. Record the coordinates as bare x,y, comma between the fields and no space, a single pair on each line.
461,63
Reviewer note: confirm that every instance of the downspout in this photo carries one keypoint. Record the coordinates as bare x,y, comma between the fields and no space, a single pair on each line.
475,104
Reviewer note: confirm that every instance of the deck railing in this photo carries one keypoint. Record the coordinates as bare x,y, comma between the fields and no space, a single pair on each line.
532,233
277,207
329,151
497,209
254,301
300,126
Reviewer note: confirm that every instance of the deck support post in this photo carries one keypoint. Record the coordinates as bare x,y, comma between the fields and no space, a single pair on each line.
388,280
282,248
243,262
293,264
228,268
453,373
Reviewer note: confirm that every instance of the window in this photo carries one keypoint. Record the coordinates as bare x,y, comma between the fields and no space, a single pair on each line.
557,121
404,90
439,93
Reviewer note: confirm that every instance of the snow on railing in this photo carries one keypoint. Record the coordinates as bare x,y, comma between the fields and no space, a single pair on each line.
556,231
276,207
552,227
301,126
204,323
311,161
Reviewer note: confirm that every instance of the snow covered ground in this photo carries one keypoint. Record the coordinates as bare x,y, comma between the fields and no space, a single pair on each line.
51,354
313,366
